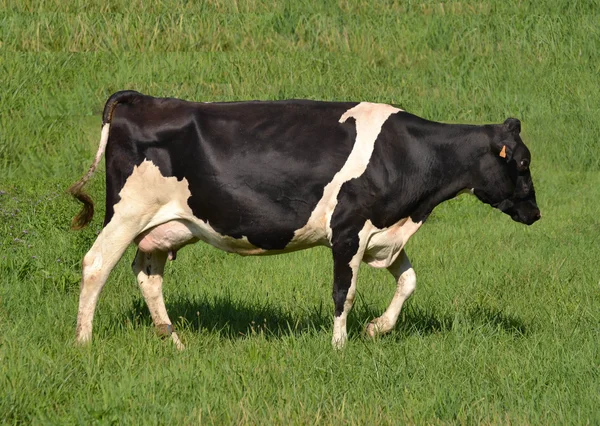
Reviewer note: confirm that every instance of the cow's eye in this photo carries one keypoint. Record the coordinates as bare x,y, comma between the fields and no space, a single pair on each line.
524,163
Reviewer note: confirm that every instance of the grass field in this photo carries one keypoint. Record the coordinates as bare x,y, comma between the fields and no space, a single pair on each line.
504,327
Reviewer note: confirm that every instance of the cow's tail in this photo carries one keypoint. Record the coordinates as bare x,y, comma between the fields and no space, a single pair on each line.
76,190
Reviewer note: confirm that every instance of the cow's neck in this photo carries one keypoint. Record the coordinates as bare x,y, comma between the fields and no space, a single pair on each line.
452,166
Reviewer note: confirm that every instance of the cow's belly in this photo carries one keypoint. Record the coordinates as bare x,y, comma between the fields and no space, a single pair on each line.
175,234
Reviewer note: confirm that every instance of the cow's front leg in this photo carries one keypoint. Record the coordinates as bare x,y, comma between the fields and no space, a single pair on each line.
149,269
406,281
347,256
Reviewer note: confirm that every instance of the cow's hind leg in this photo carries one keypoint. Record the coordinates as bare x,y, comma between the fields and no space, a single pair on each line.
149,269
406,281
97,265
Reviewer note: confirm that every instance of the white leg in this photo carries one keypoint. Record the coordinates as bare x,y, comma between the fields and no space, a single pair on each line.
406,280
97,265
149,269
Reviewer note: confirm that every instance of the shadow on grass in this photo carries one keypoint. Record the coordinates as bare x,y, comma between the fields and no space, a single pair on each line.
238,319
499,320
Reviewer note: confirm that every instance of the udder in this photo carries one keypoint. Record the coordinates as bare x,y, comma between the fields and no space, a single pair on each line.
168,237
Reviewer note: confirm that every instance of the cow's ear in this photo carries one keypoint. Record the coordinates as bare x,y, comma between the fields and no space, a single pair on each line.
503,151
512,125
505,141
502,148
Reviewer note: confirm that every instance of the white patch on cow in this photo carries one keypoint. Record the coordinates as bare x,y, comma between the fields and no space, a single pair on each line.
369,120
385,244
470,191
160,203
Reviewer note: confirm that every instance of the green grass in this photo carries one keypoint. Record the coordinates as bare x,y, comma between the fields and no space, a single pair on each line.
504,325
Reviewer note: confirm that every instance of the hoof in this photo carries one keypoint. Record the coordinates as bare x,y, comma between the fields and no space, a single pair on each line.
377,327
164,330
83,339
371,330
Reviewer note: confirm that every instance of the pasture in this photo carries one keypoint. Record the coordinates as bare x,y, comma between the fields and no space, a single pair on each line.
504,327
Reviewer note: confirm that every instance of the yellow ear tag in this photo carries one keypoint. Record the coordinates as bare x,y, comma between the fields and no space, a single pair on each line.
503,152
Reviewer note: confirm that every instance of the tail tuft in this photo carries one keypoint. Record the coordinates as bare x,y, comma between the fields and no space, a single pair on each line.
87,211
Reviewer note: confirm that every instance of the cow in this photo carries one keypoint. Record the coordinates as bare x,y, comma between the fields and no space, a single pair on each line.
271,177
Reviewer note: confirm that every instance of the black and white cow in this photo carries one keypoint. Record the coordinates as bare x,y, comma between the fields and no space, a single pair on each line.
258,178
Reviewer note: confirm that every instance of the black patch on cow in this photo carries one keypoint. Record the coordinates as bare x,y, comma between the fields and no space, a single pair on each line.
255,169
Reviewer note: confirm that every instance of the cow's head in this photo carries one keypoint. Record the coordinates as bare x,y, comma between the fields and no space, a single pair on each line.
505,178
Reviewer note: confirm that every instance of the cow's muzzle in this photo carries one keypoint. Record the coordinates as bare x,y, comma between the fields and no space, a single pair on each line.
526,212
